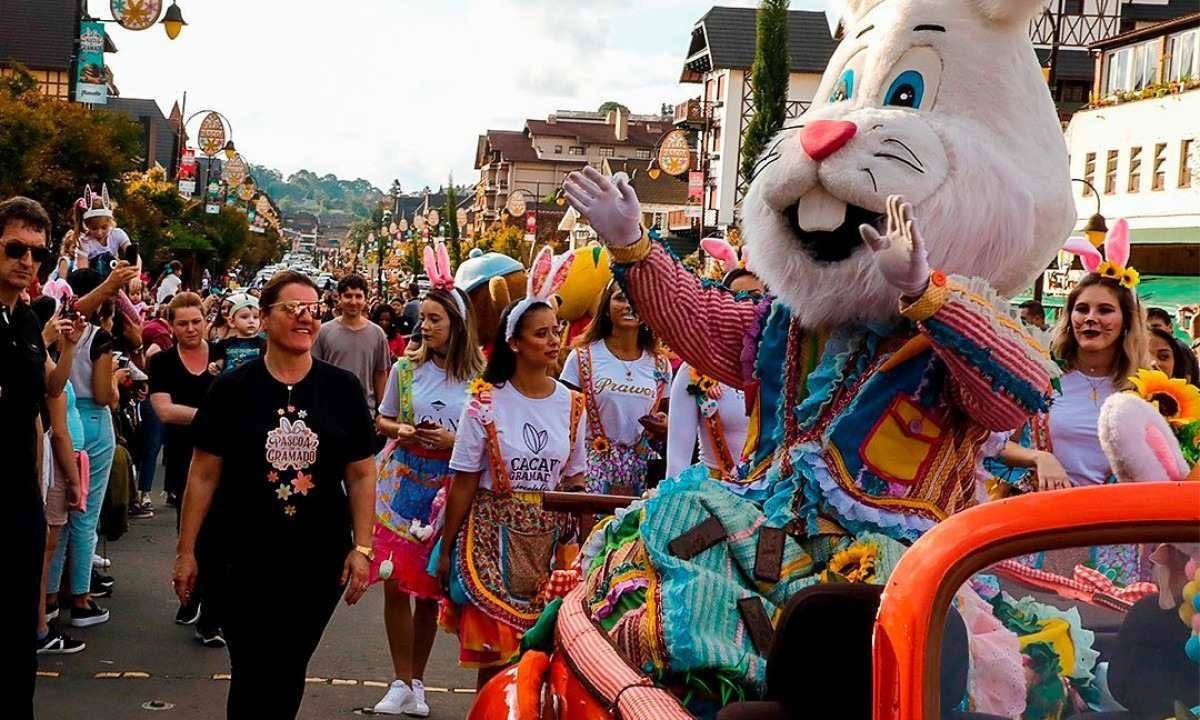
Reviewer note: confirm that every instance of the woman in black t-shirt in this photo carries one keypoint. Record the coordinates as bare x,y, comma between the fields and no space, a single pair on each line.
275,440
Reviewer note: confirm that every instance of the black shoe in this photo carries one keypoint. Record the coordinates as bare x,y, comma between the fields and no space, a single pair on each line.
58,642
188,614
88,616
99,589
99,578
172,500
140,512
51,611
210,638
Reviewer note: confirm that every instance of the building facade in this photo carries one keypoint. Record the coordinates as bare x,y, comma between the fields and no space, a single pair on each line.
1137,146
719,59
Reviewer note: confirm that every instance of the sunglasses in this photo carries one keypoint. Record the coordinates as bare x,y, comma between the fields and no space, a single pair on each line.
296,308
17,250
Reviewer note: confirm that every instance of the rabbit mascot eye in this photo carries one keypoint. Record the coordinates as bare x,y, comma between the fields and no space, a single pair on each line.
927,183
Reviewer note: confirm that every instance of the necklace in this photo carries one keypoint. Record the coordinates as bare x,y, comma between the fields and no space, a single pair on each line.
628,365
1095,393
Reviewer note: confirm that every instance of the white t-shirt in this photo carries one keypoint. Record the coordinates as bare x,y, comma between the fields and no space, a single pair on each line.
435,397
535,441
168,287
686,425
117,241
1074,429
625,391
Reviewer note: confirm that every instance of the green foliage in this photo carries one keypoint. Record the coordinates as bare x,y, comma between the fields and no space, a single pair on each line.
507,240
49,149
605,108
308,192
769,78
450,213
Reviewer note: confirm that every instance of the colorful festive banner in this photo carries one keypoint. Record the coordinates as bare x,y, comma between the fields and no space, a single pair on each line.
89,79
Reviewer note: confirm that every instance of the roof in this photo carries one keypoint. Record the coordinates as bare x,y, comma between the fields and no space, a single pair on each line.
158,130
1157,12
641,134
666,190
726,37
513,145
1072,64
1167,27
39,34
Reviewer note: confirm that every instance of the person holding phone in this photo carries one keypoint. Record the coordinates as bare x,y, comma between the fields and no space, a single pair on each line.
424,398
622,371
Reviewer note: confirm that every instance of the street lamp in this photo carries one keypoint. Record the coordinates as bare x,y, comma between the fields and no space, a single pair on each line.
173,21
230,150
1096,228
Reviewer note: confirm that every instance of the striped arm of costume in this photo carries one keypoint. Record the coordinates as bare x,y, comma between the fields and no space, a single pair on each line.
705,325
1000,374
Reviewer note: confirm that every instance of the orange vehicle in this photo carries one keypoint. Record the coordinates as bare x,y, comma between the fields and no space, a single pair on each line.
900,655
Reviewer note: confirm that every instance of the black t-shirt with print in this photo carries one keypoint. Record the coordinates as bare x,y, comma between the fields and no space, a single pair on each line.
237,351
22,395
169,375
284,451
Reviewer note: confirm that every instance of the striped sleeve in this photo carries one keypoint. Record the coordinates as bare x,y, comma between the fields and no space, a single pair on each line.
1000,372
706,326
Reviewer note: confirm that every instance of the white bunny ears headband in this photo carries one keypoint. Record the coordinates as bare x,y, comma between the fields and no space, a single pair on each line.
545,278
437,268
88,203
1116,248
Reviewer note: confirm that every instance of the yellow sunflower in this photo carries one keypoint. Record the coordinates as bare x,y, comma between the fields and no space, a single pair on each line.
478,386
1130,278
600,445
856,563
1178,401
1110,270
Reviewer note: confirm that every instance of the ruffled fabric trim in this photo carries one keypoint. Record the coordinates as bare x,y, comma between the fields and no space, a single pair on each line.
753,335
1082,640
978,292
606,607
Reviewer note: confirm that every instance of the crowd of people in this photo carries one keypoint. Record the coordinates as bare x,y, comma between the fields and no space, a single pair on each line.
379,444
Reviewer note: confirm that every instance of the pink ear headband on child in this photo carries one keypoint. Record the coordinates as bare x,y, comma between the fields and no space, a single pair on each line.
545,278
437,268
1116,248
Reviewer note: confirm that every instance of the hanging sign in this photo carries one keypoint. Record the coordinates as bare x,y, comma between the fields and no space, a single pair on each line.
89,82
674,154
695,186
187,164
187,187
135,14
516,204
461,217
247,188
212,204
530,226
211,135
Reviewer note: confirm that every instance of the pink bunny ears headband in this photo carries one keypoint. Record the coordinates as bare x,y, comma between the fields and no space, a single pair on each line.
437,268
1116,248
95,205
545,278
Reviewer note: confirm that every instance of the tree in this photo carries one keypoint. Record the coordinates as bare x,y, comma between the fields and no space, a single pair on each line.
505,239
611,105
769,78
451,214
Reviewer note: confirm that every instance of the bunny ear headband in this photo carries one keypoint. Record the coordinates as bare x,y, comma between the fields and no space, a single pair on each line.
437,268
1116,248
88,203
545,278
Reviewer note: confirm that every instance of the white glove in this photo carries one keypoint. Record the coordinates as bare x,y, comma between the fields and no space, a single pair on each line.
611,207
900,254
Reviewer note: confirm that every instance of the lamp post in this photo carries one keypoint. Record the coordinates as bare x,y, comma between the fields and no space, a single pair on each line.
1095,229
139,19
218,139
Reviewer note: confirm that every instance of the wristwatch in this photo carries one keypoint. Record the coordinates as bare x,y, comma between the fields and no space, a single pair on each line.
365,551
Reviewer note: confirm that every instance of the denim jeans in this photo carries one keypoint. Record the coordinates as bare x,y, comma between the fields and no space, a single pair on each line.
152,442
78,539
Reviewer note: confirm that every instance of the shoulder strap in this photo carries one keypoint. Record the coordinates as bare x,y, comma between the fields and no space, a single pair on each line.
404,380
587,385
578,403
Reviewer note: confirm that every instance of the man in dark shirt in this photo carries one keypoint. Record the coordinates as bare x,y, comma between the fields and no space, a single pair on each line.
25,372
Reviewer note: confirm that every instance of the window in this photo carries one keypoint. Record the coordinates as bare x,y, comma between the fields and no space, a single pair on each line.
1073,92
558,149
1158,180
606,152
709,87
1132,68
576,150
1110,173
721,88
1118,68
1185,163
1135,170
641,154
1073,7
1089,172
1185,55
715,145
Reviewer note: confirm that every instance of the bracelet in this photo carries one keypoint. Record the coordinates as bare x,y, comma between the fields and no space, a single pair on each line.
631,254
935,296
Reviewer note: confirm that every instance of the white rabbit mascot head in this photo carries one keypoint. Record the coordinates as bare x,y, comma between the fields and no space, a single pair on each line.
943,102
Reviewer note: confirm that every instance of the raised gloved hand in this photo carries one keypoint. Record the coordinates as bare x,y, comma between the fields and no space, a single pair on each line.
610,206
900,254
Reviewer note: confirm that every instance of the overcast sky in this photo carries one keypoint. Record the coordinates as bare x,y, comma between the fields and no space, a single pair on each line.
386,89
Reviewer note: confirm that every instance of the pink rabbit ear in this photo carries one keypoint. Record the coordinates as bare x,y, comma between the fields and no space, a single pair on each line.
722,251
1088,254
560,274
430,262
1116,245
540,271
443,260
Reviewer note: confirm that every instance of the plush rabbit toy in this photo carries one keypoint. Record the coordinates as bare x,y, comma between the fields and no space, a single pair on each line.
927,183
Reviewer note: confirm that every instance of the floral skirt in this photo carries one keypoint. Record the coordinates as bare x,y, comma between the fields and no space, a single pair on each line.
618,469
410,499
500,566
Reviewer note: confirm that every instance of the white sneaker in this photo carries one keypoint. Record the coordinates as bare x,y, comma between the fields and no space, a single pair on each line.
101,562
422,709
401,700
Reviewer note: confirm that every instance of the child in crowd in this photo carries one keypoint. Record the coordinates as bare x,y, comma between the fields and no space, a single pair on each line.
245,344
98,241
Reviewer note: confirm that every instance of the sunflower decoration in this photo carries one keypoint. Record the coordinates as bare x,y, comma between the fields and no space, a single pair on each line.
1114,264
1175,398
600,445
855,564
478,386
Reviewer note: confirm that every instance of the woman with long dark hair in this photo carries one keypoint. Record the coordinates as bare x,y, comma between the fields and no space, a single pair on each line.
421,407
384,315
1169,354
520,434
282,481
624,375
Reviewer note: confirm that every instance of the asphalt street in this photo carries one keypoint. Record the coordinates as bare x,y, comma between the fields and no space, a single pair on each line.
141,657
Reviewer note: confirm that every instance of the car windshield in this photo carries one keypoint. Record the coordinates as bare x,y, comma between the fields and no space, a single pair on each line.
1105,632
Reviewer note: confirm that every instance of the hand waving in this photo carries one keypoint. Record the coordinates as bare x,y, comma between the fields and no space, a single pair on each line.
610,206
900,254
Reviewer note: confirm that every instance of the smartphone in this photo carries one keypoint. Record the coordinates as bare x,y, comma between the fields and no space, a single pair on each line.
427,425
68,311
131,254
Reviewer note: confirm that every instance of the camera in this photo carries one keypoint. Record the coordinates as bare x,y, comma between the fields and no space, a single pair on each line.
122,360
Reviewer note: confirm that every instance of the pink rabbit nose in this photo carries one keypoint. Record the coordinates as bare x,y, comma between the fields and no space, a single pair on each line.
822,138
